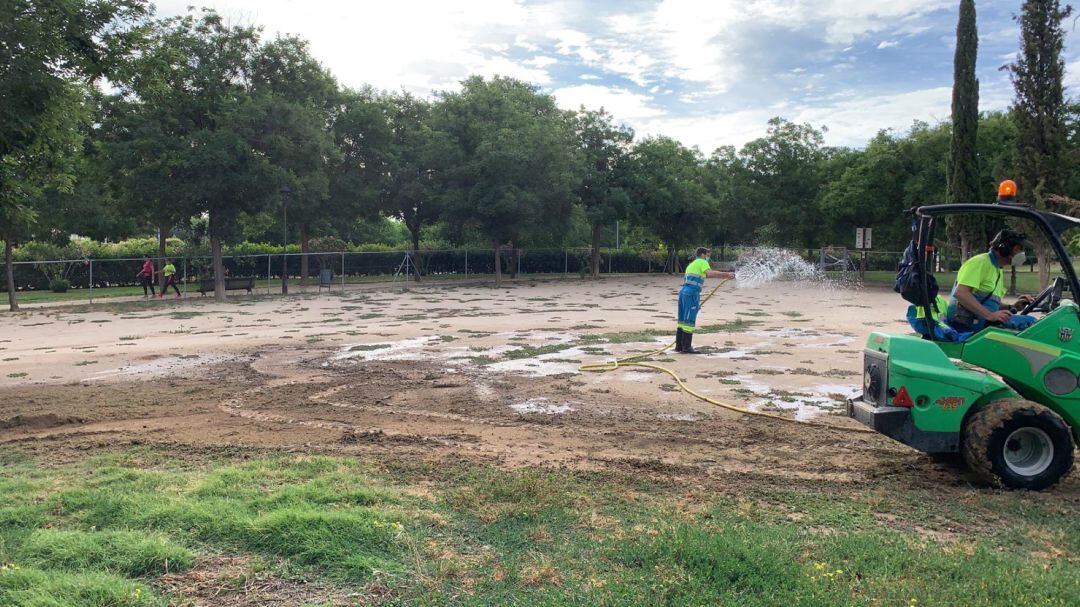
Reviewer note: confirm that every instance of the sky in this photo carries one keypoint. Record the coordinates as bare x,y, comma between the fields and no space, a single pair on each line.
706,72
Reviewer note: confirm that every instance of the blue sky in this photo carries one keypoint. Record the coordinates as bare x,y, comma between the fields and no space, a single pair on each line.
708,73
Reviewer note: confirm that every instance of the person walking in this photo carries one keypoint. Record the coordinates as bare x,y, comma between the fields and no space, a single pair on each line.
169,274
690,298
146,277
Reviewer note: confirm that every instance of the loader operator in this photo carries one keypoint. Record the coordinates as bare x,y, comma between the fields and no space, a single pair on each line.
690,298
980,284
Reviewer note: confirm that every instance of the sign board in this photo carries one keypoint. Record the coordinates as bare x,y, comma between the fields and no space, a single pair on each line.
863,238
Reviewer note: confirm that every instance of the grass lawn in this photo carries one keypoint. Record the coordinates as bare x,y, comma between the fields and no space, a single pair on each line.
83,295
1026,282
116,527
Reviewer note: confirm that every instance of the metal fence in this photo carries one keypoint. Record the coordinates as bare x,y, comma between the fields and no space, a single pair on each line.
96,279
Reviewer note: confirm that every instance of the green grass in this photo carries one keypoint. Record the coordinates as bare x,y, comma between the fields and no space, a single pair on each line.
1026,282
440,532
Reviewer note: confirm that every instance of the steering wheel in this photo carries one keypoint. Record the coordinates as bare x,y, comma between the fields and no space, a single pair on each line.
1047,299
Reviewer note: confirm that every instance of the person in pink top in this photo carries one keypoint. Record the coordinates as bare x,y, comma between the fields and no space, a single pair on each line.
146,276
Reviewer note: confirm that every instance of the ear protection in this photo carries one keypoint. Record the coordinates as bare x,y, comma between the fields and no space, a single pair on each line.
1006,241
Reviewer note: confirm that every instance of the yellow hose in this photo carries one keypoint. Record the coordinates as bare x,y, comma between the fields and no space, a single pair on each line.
632,361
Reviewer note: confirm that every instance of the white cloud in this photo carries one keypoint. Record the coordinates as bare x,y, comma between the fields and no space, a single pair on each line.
887,44
623,104
541,61
589,77
421,46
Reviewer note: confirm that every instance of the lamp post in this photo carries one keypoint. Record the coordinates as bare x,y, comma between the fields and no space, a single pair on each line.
286,191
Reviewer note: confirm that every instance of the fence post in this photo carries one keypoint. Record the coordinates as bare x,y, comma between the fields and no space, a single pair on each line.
609,263
565,263
343,272
466,262
268,274
91,281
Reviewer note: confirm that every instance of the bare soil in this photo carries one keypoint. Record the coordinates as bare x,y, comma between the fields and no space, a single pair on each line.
471,372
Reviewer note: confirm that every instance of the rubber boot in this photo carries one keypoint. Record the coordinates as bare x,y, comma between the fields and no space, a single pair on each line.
679,333
688,348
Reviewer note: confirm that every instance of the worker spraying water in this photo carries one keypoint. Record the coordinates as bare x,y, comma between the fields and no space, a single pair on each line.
690,298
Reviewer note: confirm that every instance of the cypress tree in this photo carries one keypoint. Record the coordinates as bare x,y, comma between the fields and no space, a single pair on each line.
1039,110
963,168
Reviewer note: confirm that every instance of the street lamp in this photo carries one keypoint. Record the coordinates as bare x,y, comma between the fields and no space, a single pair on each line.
286,191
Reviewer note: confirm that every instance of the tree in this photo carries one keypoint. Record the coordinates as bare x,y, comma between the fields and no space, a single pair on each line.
601,191
417,159
1039,111
144,158
785,178
963,167
194,77
48,46
668,193
361,131
517,167
297,96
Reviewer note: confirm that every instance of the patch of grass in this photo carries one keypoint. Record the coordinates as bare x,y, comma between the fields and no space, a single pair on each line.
20,374
734,326
29,587
83,363
368,347
184,314
127,553
534,351
457,532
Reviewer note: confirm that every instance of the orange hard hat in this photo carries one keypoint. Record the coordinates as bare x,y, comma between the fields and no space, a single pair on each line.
1007,189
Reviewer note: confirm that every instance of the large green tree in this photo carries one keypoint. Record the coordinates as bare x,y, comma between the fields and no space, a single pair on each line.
602,189
47,47
296,97
1039,111
518,163
417,160
194,76
668,193
784,172
963,166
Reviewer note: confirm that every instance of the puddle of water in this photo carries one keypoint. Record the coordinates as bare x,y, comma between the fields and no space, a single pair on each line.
542,405
679,417
161,366
406,349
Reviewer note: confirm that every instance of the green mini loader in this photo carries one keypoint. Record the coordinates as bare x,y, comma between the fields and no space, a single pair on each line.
1008,401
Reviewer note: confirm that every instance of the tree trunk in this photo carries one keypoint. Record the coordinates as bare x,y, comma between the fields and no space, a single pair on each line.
219,266
498,264
303,255
594,264
163,232
965,247
515,261
1043,254
13,303
415,233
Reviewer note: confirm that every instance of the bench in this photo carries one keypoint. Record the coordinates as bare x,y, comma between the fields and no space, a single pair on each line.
232,283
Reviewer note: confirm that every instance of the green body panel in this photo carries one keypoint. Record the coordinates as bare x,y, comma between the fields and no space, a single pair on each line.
941,390
1025,358
944,391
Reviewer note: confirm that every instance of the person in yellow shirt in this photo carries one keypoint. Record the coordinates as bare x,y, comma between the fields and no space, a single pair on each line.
690,298
980,285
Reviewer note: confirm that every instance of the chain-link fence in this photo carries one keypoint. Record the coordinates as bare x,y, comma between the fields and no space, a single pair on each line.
96,279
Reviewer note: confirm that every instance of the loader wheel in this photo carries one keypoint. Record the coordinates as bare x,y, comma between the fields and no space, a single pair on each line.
1019,443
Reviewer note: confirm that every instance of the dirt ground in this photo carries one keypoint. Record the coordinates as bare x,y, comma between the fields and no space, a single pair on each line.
473,372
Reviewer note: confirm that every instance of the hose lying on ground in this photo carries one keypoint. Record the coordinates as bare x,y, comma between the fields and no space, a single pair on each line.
633,361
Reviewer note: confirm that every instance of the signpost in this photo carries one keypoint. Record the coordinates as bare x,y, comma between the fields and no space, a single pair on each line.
863,242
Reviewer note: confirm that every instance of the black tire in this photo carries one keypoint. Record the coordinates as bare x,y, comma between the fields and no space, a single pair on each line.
1019,444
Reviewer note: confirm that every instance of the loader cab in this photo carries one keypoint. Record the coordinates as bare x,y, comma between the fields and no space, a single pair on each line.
1048,302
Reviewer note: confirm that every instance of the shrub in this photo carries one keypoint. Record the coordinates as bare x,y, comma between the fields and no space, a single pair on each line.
59,285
